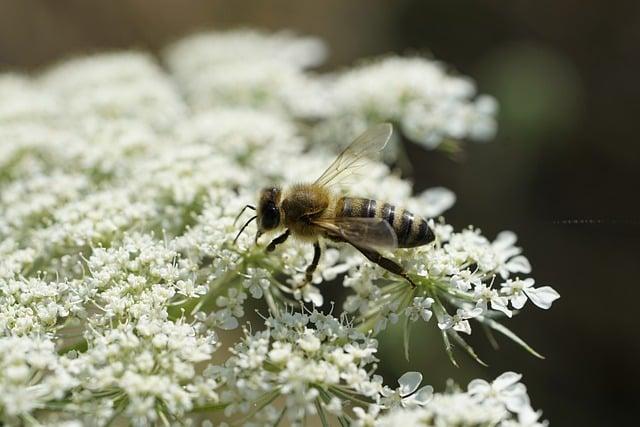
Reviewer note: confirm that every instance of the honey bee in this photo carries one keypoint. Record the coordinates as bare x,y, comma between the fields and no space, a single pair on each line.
312,211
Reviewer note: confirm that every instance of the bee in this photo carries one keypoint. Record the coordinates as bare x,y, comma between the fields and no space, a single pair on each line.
311,211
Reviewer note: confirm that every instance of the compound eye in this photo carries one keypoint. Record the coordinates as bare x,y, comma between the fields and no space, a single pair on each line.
270,216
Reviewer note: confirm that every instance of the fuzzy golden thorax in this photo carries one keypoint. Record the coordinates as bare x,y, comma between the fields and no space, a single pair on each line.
301,204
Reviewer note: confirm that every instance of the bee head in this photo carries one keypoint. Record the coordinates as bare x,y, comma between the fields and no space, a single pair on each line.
268,211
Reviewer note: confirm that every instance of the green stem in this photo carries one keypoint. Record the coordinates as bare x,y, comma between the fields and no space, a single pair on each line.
209,408
269,399
346,395
280,417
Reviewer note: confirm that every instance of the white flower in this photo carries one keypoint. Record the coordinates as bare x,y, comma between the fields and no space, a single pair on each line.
29,306
484,295
420,309
22,100
527,417
506,389
434,201
150,364
248,68
120,184
31,374
281,352
519,290
407,395
334,406
447,409
207,49
309,293
308,342
466,280
459,322
483,404
116,85
429,105
366,418
304,351
508,255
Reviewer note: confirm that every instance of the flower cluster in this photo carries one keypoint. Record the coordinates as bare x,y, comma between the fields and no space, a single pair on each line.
504,403
145,371
122,273
310,361
127,86
32,305
31,375
249,68
137,279
461,277
428,105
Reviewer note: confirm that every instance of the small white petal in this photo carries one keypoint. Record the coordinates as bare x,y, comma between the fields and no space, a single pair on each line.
528,417
542,297
518,301
229,323
409,382
475,312
516,402
519,264
447,322
424,395
479,386
463,326
436,201
504,240
507,379
500,304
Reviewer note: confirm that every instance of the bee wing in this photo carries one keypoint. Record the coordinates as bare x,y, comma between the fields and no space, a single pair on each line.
355,155
367,233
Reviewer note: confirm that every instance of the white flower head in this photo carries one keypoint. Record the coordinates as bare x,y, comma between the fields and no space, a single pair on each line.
459,321
508,255
506,389
420,308
518,291
407,394
484,296
120,261
429,105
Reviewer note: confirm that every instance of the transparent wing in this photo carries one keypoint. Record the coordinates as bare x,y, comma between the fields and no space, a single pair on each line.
368,233
356,154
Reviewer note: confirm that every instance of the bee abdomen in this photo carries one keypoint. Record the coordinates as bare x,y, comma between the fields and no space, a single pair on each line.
411,230
357,207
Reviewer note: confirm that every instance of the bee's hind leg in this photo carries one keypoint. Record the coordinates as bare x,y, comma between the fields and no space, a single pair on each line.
386,263
317,251
275,242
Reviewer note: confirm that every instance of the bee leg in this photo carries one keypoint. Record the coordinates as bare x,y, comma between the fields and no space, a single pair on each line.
314,263
275,242
386,263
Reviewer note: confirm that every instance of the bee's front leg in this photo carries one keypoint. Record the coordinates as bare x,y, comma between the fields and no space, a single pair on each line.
275,242
317,251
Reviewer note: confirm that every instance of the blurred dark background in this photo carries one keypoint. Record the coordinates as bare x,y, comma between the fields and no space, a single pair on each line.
567,77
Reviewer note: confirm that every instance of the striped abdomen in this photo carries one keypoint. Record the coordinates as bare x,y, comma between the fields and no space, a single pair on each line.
410,229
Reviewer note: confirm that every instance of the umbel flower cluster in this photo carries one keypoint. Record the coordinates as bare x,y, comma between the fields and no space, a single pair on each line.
123,298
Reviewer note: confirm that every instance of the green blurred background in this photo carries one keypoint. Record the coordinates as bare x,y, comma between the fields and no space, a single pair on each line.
566,74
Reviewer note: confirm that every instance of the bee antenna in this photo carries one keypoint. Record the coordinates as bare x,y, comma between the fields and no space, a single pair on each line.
242,211
243,227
